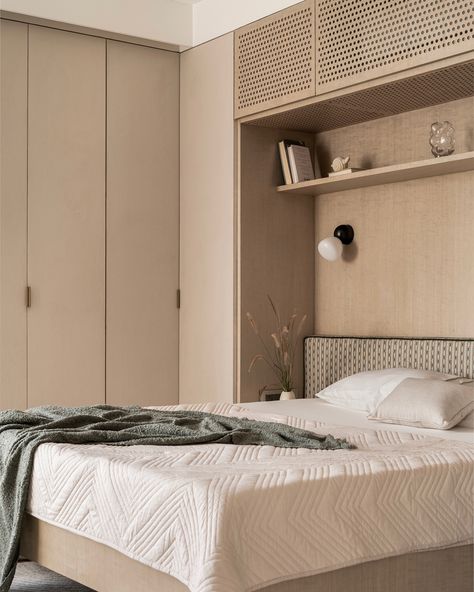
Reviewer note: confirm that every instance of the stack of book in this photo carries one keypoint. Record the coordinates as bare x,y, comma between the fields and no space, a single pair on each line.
296,161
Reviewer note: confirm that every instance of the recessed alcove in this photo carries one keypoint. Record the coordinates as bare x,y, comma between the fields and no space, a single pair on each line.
408,272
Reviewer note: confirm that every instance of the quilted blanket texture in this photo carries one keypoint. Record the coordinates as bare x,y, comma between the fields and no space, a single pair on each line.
237,518
21,433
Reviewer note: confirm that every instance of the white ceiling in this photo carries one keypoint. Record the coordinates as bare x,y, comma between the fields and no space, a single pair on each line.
212,18
180,23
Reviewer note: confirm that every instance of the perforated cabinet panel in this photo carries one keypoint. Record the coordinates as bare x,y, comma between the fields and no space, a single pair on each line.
406,94
358,40
275,60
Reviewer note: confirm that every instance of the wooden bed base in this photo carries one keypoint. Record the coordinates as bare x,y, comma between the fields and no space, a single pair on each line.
106,570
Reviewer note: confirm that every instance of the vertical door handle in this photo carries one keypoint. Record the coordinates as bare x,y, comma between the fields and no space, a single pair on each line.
28,296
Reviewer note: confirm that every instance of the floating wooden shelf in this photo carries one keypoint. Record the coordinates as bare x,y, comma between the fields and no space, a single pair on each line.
456,163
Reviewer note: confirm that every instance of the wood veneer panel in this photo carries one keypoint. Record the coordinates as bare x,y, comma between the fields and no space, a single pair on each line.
277,253
207,223
142,224
66,218
13,214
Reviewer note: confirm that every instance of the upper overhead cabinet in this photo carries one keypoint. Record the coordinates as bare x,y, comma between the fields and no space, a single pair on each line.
275,60
319,46
360,41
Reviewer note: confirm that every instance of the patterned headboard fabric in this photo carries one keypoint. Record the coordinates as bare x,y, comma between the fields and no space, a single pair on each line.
328,359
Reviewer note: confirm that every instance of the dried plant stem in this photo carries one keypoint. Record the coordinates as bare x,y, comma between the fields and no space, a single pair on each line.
281,357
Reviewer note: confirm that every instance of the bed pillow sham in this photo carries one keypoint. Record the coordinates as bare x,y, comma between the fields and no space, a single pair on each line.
427,403
468,421
365,390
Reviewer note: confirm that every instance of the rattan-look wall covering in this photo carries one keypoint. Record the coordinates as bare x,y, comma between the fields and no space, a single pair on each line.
358,40
275,60
328,359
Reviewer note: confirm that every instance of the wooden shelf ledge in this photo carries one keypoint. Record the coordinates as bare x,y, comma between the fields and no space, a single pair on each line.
445,165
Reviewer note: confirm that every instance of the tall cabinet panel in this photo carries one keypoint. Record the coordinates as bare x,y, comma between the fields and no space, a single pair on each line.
142,224
13,205
207,223
66,218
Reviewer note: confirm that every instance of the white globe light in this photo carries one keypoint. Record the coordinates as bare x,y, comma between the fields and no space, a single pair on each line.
330,248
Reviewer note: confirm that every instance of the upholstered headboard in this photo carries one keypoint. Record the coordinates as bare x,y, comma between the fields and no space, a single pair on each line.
328,359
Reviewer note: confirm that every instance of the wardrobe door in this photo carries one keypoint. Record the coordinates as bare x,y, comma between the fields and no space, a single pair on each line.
66,218
13,204
142,224
207,223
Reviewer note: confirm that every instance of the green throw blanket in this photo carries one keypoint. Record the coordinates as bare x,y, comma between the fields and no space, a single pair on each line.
22,432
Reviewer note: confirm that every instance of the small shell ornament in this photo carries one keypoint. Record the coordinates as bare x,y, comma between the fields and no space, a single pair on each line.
339,163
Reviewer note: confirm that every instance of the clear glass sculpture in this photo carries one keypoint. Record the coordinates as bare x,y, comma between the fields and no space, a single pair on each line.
442,138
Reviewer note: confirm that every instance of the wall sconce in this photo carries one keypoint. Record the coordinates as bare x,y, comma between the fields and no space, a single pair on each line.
331,248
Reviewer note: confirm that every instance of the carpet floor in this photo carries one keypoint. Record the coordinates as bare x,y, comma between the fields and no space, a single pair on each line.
30,577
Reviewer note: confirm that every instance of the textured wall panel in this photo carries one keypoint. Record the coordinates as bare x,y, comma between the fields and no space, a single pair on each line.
358,41
328,359
274,60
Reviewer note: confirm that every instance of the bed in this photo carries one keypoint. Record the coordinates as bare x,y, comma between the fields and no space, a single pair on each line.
393,515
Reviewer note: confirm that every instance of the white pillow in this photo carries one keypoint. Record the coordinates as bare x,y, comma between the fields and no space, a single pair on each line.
365,390
468,421
437,404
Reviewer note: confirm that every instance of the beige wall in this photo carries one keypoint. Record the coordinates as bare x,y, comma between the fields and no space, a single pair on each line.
207,223
212,18
410,271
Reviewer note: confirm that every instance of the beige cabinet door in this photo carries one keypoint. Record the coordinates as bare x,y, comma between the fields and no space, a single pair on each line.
66,218
207,223
142,224
13,204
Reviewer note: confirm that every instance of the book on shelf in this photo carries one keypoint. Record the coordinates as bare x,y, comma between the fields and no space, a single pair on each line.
285,164
301,166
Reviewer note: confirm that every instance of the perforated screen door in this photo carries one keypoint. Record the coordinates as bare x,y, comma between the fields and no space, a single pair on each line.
274,60
358,40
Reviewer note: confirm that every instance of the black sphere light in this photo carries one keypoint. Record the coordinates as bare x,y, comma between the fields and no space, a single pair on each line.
345,233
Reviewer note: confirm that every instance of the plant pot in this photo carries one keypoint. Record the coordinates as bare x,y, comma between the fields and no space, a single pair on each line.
287,395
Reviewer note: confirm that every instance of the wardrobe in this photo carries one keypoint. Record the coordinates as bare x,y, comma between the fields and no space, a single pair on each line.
89,220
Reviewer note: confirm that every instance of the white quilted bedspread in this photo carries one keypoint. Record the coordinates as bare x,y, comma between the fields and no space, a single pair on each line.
224,518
